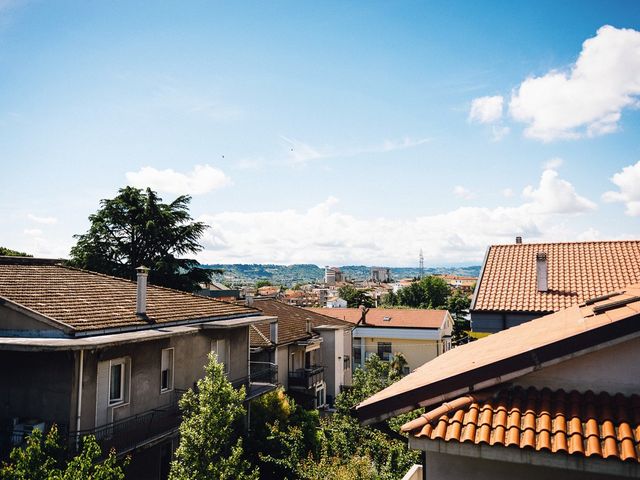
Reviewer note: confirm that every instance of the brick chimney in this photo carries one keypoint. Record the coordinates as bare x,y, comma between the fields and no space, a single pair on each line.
141,294
542,272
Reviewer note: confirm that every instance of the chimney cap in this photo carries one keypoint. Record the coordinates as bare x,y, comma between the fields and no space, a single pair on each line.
541,256
142,269
518,240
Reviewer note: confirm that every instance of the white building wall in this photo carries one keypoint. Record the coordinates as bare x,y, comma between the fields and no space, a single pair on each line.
615,369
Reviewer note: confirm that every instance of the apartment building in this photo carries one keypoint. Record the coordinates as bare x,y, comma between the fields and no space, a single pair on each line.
555,397
419,335
312,352
105,356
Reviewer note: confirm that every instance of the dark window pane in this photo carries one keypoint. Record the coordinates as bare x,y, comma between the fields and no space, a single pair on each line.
115,389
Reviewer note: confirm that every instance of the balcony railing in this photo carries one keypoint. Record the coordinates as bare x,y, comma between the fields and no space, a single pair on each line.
130,432
306,378
263,378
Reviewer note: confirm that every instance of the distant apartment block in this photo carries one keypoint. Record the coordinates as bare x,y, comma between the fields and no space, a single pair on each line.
420,335
380,274
333,275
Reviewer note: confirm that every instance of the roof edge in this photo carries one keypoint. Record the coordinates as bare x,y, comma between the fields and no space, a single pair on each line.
501,371
479,281
187,322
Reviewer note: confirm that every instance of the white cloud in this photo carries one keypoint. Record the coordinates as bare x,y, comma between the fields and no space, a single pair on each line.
589,235
628,183
33,232
42,220
588,98
324,234
555,195
498,132
486,109
462,192
553,163
300,153
507,192
202,179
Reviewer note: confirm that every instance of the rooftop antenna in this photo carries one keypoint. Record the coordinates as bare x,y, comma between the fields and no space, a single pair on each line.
421,268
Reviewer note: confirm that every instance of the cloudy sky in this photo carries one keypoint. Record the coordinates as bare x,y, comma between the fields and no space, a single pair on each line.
325,132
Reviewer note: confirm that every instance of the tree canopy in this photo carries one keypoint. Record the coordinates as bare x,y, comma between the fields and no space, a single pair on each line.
210,441
429,292
13,253
135,228
42,458
355,297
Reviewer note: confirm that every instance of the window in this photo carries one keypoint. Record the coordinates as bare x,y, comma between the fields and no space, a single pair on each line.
320,400
357,352
116,382
166,370
384,350
346,363
221,348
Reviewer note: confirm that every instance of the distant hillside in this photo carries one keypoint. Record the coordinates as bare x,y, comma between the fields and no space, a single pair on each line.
289,275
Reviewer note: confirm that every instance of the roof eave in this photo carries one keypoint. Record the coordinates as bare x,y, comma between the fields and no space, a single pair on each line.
479,281
500,371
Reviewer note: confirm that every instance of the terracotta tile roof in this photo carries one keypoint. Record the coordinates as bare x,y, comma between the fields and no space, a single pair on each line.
397,317
577,271
292,322
573,423
86,301
513,351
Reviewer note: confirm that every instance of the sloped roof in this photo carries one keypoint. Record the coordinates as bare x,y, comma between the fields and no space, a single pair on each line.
292,322
573,423
509,354
82,301
576,271
389,317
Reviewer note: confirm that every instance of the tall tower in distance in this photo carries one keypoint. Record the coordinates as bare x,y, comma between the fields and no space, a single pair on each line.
421,267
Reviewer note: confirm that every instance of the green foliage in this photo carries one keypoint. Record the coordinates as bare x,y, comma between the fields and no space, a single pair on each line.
429,292
390,299
43,459
210,443
458,305
337,468
263,283
375,376
7,252
345,438
135,228
355,297
282,433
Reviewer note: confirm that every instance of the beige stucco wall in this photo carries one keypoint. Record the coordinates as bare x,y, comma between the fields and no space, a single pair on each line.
449,467
417,352
190,356
613,369
282,359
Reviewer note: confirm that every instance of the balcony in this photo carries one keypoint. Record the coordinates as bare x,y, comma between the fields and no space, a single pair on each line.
262,379
135,431
306,378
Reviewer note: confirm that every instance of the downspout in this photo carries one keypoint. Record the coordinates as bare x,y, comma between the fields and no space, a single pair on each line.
248,379
79,413
424,465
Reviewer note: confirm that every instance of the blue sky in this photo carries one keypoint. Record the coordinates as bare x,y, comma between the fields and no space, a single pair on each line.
325,132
